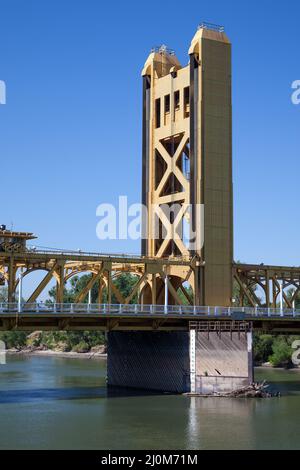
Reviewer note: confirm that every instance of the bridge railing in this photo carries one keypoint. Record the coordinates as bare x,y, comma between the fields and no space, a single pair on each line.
147,310
108,256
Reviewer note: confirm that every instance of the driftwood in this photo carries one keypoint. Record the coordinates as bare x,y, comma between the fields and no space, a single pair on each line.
256,390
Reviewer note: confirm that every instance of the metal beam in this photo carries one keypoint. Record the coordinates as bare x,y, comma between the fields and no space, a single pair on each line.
81,296
42,285
135,289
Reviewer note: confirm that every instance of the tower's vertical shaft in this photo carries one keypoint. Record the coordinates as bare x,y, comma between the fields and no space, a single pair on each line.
211,158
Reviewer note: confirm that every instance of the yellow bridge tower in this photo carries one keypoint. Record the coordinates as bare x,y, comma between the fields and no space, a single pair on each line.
187,161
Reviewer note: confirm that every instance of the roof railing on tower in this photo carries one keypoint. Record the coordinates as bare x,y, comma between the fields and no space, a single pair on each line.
212,27
163,49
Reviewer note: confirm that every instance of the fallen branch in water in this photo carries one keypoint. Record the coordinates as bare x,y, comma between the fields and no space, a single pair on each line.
256,390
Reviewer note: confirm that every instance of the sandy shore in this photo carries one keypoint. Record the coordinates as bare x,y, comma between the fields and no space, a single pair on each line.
68,355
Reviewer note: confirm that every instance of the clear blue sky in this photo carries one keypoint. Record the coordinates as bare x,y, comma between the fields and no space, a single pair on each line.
71,129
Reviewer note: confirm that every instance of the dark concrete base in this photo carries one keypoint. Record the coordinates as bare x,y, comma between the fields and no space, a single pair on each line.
157,361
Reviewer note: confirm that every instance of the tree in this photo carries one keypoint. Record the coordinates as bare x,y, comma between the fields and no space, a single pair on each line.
125,284
70,340
262,347
282,352
13,339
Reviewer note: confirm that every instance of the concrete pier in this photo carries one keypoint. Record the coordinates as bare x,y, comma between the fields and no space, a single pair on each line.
201,362
223,362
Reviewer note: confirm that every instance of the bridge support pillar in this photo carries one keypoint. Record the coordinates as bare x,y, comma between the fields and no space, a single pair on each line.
198,361
221,357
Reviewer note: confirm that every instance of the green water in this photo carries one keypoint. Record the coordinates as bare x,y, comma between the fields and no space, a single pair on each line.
54,403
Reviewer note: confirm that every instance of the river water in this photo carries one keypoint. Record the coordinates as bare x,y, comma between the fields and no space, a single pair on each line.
56,403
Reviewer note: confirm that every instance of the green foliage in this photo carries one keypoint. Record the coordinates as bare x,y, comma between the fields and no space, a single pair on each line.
125,284
274,349
81,347
68,340
76,285
282,352
54,340
262,347
14,339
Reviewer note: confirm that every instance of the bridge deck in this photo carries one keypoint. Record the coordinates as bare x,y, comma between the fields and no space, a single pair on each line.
136,317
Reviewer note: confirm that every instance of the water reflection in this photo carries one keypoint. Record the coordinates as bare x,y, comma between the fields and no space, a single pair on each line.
220,421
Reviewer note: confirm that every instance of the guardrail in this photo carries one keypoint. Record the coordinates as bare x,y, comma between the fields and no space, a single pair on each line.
212,27
235,313
122,256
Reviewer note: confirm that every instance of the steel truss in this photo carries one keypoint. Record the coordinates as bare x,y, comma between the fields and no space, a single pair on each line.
272,281
153,275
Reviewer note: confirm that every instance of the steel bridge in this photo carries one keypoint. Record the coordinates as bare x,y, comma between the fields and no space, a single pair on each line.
62,266
171,274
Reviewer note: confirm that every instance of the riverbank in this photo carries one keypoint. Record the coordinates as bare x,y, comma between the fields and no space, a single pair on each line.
65,355
269,366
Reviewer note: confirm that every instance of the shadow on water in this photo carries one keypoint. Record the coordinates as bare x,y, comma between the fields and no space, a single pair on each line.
287,382
286,388
71,393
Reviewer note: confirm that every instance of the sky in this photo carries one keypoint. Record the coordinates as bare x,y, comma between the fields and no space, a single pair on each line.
70,132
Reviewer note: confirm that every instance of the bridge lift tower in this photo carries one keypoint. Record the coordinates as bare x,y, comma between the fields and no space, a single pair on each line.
187,161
